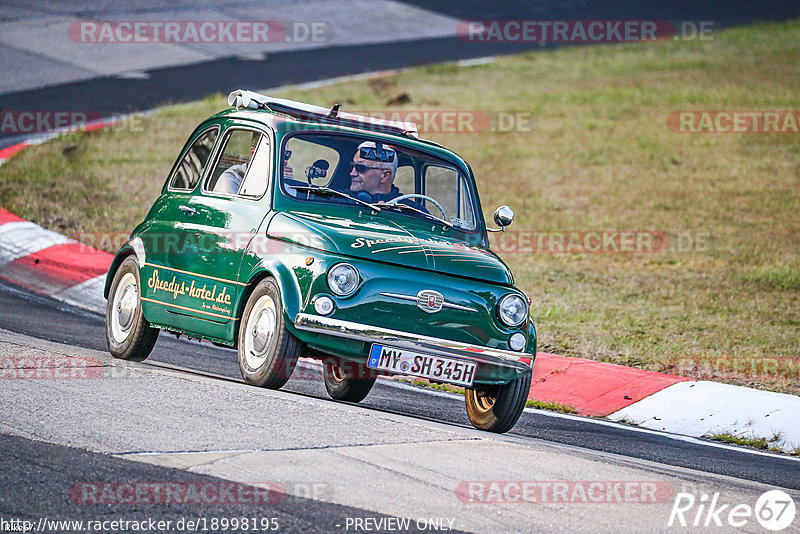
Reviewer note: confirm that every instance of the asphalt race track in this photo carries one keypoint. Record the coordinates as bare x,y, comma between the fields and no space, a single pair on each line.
21,456
48,319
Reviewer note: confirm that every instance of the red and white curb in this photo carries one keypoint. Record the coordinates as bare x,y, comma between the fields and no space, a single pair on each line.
46,262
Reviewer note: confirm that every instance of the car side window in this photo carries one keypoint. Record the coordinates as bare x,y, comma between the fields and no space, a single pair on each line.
233,162
446,185
404,179
257,178
190,169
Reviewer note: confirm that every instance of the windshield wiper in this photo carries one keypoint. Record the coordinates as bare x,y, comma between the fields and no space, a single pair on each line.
329,191
417,210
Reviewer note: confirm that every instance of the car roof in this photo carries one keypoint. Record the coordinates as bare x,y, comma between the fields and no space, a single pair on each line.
241,99
288,115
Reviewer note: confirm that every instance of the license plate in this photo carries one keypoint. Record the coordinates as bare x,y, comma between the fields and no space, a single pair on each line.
423,365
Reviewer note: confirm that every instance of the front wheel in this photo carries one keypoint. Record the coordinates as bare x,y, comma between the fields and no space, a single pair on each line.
497,408
348,381
128,334
267,350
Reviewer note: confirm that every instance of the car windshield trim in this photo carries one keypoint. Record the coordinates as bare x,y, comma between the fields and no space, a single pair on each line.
328,190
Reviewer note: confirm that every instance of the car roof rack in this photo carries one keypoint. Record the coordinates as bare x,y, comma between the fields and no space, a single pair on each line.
242,99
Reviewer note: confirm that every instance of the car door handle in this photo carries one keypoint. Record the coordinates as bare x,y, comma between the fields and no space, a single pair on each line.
187,210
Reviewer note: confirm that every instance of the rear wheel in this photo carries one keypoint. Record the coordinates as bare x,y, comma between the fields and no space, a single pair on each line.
348,381
497,408
267,350
128,334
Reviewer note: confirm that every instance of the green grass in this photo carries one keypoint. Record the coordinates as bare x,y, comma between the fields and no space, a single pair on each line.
782,277
752,441
552,406
601,157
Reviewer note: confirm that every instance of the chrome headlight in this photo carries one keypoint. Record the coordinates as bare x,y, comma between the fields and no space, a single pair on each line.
512,310
343,279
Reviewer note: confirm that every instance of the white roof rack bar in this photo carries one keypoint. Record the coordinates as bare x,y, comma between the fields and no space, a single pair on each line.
242,99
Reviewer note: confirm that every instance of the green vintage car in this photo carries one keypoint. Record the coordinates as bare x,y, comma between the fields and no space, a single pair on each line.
286,230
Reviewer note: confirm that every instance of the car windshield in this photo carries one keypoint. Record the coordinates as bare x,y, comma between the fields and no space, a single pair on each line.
343,169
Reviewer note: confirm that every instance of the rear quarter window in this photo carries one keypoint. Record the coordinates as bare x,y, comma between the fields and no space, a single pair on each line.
190,169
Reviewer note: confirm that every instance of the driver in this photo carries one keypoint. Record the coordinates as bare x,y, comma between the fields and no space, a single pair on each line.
372,172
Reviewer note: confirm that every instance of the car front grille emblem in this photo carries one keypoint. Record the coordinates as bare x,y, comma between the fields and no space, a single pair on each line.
430,301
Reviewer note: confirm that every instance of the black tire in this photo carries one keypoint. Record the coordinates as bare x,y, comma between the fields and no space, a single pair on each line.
497,409
267,350
348,381
128,334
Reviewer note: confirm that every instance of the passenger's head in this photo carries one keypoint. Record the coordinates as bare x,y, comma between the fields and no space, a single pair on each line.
373,168
254,143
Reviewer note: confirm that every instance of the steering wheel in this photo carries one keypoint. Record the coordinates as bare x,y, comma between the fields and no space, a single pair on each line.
426,197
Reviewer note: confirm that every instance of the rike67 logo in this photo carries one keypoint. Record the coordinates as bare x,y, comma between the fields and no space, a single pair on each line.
774,510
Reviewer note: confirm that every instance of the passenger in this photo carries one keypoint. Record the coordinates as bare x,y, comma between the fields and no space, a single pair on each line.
230,180
288,172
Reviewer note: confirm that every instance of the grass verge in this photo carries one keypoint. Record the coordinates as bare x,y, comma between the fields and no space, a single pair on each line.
722,303
549,405
753,442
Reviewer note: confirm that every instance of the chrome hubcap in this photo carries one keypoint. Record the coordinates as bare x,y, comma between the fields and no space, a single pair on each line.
123,311
126,307
261,326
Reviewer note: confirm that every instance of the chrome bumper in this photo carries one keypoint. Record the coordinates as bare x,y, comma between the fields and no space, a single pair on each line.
518,361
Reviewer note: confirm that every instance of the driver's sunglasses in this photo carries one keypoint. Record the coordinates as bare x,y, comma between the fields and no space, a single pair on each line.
361,168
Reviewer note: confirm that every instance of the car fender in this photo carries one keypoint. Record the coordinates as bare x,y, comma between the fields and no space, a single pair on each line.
133,247
287,284
531,348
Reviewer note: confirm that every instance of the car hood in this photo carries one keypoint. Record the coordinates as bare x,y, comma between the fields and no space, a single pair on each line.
378,238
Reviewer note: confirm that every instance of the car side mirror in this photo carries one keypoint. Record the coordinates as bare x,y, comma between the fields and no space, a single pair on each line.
503,216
